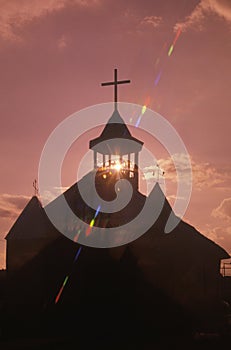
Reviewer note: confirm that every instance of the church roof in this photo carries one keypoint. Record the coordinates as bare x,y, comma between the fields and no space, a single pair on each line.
32,223
183,236
116,129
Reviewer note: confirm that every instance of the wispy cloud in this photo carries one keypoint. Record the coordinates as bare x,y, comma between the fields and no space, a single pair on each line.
153,21
5,213
223,211
205,8
204,175
62,42
11,205
15,14
51,194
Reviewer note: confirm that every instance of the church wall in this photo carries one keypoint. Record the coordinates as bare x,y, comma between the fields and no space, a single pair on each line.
20,252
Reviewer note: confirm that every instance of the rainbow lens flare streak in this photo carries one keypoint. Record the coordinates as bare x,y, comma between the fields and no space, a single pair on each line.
88,231
142,113
67,277
158,77
178,33
170,50
78,253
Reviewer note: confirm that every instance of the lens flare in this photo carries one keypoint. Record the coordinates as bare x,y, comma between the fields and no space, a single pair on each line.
178,33
92,223
158,78
77,254
170,50
143,109
61,290
118,166
67,277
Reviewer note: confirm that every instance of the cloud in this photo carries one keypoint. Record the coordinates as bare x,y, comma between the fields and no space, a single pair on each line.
4,213
153,21
14,14
204,175
49,195
223,211
62,42
205,8
12,205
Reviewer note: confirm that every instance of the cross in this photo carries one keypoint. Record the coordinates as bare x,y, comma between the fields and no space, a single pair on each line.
35,187
115,83
159,172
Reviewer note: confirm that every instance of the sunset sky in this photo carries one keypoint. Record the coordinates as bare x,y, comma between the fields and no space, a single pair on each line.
55,53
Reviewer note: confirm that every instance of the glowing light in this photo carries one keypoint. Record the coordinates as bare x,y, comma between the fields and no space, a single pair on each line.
170,50
118,166
92,222
143,109
104,176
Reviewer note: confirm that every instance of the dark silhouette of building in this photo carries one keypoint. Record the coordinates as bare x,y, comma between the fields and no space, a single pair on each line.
158,282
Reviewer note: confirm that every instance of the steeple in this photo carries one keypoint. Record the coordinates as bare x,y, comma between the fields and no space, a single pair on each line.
116,150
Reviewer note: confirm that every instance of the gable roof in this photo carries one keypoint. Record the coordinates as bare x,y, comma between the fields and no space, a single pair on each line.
32,223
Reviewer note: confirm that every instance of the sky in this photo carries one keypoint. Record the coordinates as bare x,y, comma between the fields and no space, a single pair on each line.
55,53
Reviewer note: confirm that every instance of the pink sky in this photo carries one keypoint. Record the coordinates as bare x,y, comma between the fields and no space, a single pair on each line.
55,53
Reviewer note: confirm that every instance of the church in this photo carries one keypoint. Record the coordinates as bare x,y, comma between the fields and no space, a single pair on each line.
152,283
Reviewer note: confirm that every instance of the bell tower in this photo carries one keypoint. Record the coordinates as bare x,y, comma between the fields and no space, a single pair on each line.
116,152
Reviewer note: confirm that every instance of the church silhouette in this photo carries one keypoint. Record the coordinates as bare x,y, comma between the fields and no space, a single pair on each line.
156,285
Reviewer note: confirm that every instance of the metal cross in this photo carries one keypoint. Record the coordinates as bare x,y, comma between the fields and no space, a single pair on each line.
35,187
116,83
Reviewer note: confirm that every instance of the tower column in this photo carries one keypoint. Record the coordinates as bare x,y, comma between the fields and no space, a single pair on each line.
136,159
136,171
95,160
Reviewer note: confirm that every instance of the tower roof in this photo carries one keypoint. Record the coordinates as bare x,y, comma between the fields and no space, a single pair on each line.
116,128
